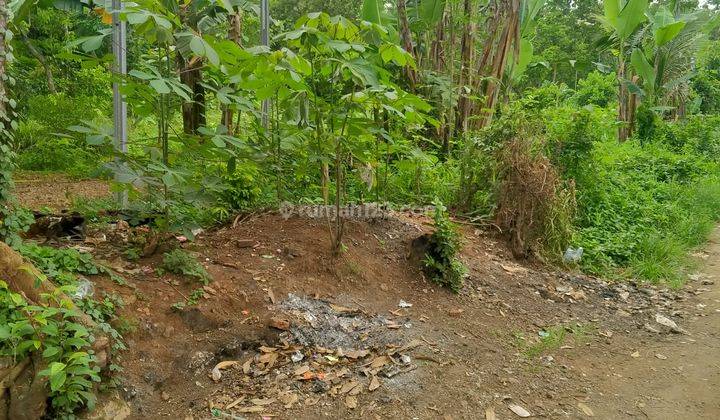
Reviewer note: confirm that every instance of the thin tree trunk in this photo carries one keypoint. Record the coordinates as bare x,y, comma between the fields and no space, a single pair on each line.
234,34
406,39
467,46
193,112
43,62
622,97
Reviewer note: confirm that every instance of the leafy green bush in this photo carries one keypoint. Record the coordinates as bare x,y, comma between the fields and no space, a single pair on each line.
181,262
646,207
55,262
65,345
596,89
441,262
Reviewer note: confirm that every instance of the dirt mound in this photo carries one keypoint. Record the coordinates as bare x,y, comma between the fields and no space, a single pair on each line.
286,330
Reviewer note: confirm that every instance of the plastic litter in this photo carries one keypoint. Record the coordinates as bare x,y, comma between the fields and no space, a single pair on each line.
404,304
84,289
573,255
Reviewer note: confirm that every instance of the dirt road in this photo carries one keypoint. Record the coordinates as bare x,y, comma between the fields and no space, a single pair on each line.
677,377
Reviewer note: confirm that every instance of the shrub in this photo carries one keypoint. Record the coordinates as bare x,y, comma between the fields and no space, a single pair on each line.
596,89
534,208
441,262
178,261
64,345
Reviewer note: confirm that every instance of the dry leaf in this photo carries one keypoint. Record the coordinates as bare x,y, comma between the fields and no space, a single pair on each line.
234,403
265,349
379,361
585,409
341,309
246,366
301,370
262,401
356,354
252,409
348,386
350,402
271,295
519,411
222,365
490,413
635,354
288,399
374,384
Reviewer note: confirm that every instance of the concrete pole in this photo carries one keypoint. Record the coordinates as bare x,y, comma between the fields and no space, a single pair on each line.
119,47
265,40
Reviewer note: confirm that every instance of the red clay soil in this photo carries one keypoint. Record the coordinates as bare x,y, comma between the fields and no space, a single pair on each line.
477,352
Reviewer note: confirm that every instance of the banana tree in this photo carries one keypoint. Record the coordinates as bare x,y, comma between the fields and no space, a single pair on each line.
664,60
621,19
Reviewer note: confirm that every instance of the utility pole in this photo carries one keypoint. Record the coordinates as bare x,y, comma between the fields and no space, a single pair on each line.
119,47
265,40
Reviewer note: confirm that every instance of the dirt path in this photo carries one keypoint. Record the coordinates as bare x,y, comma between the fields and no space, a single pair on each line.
676,377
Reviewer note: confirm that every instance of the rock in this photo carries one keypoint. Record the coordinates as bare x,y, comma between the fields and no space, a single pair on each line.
667,322
113,408
165,396
244,243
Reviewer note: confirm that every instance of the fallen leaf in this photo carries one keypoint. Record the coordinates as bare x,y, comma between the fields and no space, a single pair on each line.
519,411
216,374
455,312
348,386
288,399
341,309
379,362
351,402
661,356
301,370
252,409
356,354
271,295
635,354
246,366
234,403
585,409
265,349
490,413
374,384
262,401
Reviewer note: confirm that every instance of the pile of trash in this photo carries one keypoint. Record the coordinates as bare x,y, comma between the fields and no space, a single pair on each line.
326,352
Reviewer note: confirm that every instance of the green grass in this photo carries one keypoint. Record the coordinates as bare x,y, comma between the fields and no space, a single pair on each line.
551,339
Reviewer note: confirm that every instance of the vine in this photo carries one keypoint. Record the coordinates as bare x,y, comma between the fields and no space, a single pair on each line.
12,218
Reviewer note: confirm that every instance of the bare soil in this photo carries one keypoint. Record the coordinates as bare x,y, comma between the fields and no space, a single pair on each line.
556,344
36,191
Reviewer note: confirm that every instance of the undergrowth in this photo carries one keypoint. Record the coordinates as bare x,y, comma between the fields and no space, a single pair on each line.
65,346
441,262
181,262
